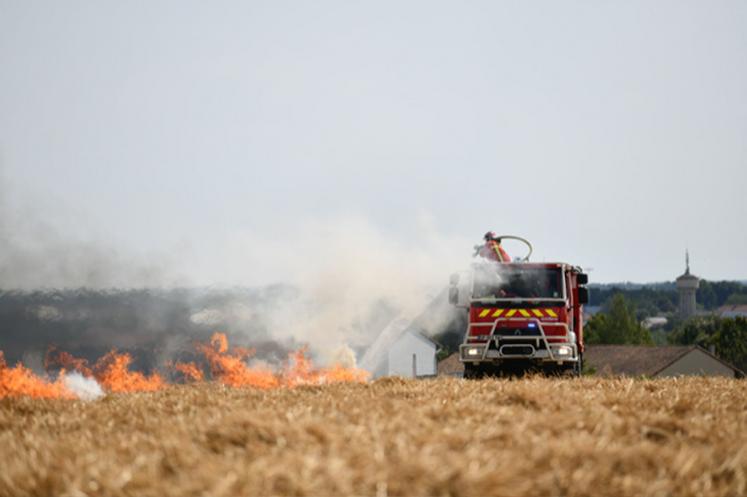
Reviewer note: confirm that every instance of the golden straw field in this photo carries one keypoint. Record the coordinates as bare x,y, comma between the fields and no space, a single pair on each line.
535,436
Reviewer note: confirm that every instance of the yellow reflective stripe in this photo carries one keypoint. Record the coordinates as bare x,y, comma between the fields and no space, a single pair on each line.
510,313
551,313
524,313
484,313
537,313
497,313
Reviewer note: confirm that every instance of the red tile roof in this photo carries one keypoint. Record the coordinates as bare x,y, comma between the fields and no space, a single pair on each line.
732,310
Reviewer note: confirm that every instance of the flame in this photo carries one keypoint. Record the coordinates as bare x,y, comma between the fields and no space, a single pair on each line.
113,373
219,341
189,370
230,368
65,360
21,381
226,365
300,371
341,374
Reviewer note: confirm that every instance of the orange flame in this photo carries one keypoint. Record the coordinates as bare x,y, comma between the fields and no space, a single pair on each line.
226,365
21,381
67,361
229,367
113,373
189,370
300,371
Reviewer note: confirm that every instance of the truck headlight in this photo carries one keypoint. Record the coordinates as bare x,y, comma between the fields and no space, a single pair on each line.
474,351
564,350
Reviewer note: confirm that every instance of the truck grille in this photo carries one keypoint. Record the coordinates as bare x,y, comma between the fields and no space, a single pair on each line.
519,336
523,332
518,350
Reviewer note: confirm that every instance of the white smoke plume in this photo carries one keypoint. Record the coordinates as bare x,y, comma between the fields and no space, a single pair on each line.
83,387
349,278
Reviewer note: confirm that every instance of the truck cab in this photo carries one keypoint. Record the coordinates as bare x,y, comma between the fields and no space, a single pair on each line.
522,317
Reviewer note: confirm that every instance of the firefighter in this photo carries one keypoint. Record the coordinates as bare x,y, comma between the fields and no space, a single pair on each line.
492,249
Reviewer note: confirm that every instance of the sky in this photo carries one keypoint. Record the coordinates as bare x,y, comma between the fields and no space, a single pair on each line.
250,142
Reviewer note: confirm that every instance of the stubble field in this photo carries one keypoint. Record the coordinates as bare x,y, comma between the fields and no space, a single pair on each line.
534,436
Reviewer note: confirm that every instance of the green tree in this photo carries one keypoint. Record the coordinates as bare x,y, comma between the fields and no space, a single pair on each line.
731,341
727,335
737,299
699,330
714,294
618,325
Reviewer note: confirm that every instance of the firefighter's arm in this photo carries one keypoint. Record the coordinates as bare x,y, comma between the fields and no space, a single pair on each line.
502,254
506,257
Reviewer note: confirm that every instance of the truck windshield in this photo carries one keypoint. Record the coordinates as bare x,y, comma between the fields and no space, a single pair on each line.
499,281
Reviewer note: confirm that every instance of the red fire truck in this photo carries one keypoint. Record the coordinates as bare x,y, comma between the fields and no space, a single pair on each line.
522,317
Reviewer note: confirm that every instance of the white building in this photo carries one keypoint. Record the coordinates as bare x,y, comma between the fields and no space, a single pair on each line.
412,355
400,350
653,322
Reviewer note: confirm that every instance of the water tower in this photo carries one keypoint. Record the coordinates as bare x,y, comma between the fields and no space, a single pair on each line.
687,285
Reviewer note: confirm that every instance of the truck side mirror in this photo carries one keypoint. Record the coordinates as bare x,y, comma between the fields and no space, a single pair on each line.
583,295
454,279
582,278
453,295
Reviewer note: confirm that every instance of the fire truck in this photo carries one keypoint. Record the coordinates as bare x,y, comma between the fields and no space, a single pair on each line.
522,317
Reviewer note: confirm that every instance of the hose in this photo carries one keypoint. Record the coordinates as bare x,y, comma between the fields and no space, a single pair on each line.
523,240
509,237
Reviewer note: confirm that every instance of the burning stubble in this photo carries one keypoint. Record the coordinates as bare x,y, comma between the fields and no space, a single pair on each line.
112,373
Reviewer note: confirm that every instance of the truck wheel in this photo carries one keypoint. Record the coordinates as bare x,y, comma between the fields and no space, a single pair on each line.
472,372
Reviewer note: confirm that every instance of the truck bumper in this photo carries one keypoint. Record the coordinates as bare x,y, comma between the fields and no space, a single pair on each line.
554,352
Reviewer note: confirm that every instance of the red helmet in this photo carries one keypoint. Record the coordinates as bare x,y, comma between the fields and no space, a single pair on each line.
490,235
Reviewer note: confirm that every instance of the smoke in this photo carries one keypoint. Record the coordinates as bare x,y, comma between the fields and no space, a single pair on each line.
36,253
332,283
83,387
350,280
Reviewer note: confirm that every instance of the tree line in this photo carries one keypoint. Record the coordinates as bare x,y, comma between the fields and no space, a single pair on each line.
619,322
662,298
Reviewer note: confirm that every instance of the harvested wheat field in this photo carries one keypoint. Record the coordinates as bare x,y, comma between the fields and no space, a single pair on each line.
534,436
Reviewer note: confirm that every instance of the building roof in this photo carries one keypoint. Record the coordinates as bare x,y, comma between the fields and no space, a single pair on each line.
654,321
732,310
451,365
687,275
418,335
377,352
639,360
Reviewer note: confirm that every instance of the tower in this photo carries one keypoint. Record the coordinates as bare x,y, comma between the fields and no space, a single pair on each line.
687,285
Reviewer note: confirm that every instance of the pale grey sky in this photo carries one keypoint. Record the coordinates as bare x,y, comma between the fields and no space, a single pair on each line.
612,134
